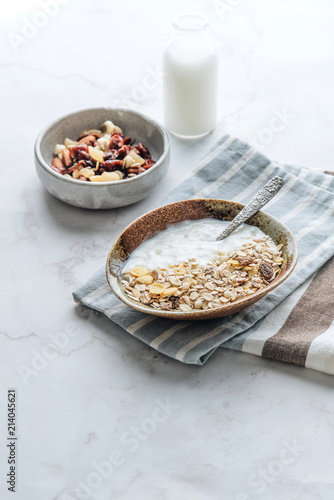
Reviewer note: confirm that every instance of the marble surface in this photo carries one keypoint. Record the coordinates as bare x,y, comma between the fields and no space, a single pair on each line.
103,416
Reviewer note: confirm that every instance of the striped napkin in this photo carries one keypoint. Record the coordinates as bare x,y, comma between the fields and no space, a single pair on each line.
293,323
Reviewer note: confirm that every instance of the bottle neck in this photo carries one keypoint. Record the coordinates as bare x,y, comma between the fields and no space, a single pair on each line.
190,26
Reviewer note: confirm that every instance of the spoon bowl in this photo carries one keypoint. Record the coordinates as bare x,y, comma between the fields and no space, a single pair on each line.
157,220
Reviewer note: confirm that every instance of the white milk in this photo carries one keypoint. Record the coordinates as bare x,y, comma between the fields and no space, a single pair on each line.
190,79
190,239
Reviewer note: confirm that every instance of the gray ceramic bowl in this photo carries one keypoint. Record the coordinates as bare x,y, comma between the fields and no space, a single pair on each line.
105,194
158,220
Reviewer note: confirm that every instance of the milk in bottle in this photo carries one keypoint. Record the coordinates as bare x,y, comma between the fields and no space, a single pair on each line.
190,78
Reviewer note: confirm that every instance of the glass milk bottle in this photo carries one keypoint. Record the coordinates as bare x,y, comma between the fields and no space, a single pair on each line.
190,78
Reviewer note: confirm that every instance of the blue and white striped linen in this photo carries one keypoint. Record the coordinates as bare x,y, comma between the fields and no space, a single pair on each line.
233,170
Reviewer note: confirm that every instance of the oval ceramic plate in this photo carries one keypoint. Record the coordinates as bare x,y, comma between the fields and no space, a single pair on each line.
158,220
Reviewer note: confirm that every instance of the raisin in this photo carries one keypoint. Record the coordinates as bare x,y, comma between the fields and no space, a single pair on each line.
267,271
245,261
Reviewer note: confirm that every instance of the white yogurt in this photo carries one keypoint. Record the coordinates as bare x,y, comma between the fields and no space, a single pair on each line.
190,239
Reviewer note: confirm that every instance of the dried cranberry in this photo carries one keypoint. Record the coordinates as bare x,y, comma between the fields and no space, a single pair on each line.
143,151
111,155
116,141
80,152
112,165
148,164
127,140
81,164
123,151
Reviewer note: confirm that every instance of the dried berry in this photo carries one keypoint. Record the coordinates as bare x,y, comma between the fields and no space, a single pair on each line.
77,166
245,261
116,141
143,151
266,270
112,165
111,155
148,164
80,152
123,151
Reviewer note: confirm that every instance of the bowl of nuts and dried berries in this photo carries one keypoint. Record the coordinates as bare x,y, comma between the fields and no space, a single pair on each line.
102,158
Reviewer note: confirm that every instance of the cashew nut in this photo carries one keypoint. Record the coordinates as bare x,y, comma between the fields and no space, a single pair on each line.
87,172
103,142
128,161
109,128
68,142
76,173
58,149
109,176
93,131
136,158
96,154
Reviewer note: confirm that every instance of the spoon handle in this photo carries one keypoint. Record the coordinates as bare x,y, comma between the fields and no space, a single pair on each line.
263,196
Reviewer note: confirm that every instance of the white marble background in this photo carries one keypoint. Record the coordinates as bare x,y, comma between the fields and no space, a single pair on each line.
239,428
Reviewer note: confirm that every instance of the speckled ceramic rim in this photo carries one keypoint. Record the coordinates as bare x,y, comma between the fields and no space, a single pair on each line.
46,167
114,266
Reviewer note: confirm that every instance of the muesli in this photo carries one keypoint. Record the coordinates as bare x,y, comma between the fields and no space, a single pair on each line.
188,285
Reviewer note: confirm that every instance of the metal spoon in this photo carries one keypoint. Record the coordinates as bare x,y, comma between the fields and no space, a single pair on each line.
263,196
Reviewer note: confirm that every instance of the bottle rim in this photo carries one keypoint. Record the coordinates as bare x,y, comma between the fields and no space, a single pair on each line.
190,23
